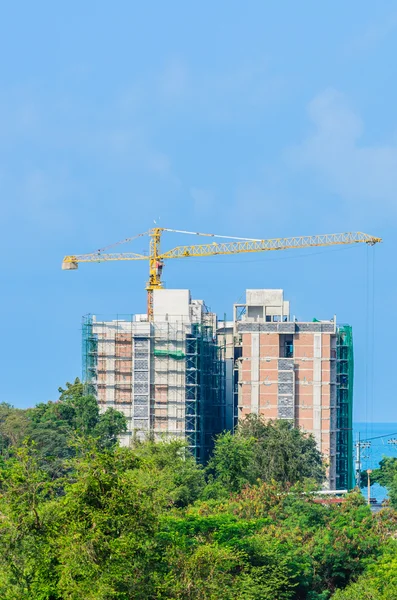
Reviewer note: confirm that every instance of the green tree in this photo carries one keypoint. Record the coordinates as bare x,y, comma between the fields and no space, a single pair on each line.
282,452
209,571
263,451
379,582
386,475
82,517
101,537
13,426
53,426
108,427
232,463
27,557
175,467
109,519
128,525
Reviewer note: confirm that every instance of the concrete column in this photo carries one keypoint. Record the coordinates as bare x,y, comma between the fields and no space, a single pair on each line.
317,388
255,373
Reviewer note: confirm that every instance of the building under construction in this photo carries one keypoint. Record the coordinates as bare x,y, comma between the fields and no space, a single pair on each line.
184,374
167,376
166,372
282,368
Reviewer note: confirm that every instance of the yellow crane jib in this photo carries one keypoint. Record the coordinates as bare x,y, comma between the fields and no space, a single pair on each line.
235,245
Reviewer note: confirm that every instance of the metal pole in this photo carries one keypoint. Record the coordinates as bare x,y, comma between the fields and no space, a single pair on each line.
358,461
369,471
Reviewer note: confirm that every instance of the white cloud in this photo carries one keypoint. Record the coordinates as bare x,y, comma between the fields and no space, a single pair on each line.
217,94
372,35
204,200
131,99
173,80
257,208
43,196
251,84
39,196
363,174
19,117
131,148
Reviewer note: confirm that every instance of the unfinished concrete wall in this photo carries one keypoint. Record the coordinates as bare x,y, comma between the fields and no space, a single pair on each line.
316,405
122,371
171,305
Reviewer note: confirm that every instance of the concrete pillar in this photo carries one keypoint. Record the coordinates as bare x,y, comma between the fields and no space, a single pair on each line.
317,388
255,373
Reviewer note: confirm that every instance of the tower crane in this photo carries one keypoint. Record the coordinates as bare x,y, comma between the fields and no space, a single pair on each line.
234,245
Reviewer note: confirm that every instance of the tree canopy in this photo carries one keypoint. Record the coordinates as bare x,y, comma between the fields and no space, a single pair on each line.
131,523
386,476
82,517
264,451
52,426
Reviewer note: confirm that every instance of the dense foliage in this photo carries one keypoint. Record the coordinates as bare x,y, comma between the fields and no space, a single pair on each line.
82,518
379,581
264,451
386,475
53,425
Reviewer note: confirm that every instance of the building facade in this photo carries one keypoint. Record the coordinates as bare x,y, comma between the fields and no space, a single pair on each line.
166,376
282,368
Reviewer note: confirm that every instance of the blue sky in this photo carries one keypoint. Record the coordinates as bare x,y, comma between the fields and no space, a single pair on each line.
257,120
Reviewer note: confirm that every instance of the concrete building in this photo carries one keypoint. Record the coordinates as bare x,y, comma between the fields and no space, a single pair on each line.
284,369
167,376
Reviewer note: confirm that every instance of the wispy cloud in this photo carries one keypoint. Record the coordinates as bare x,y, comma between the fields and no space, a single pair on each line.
203,200
173,80
258,207
132,148
372,35
218,94
39,196
363,174
47,138
38,133
43,193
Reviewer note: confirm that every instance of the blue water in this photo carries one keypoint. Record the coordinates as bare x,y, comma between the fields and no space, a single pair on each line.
379,448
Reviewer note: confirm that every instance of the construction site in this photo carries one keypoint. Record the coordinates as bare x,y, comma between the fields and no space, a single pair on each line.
177,371
167,375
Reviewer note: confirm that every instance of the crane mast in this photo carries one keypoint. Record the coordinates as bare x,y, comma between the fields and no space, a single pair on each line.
155,268
235,245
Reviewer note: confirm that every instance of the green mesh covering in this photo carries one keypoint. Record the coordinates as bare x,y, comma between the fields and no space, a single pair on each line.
90,355
344,398
176,354
205,390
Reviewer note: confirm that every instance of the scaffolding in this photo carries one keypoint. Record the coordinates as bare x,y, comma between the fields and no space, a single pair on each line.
89,356
344,399
167,377
205,389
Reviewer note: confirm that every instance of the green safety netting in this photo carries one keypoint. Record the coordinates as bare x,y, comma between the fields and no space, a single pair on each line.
176,354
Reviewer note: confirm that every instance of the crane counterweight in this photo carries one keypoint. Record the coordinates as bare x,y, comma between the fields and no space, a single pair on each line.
69,264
